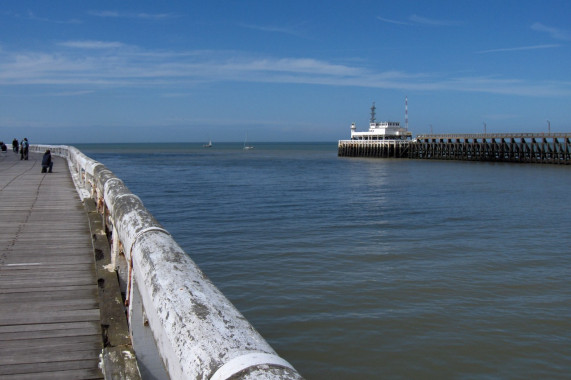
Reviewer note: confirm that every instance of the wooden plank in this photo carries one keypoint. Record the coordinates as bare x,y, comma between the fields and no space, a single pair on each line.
26,271
86,325
50,333
52,305
46,356
27,368
47,282
43,296
32,347
23,318
40,371
43,289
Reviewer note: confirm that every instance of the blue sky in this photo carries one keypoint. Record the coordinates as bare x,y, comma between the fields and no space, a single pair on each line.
144,71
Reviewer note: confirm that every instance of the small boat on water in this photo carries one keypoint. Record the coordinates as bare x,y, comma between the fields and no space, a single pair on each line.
209,145
247,147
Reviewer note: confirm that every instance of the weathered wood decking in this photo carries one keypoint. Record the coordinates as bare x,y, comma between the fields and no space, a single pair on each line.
49,311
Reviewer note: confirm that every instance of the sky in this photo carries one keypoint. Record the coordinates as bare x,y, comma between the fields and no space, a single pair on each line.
189,71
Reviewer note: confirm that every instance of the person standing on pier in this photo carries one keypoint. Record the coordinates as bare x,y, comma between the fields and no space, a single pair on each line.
25,147
15,145
47,163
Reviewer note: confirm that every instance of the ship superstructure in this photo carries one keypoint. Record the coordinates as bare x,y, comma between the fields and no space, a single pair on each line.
384,130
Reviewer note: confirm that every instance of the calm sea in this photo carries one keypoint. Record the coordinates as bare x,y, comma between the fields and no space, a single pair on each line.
373,268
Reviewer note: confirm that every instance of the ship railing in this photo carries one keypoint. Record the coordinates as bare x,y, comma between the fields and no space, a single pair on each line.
374,142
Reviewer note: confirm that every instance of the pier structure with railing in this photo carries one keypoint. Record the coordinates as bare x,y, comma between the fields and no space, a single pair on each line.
194,330
545,148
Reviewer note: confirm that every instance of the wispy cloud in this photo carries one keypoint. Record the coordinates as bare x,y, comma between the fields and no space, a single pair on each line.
419,20
92,44
133,15
532,47
432,22
70,93
34,17
556,33
293,31
174,72
392,21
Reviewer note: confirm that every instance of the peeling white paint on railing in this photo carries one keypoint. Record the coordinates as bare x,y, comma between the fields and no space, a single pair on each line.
198,332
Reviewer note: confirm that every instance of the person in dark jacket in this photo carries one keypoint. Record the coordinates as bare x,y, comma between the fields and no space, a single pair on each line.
47,163
25,147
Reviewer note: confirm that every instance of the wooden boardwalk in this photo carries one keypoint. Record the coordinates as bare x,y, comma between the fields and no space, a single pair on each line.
49,309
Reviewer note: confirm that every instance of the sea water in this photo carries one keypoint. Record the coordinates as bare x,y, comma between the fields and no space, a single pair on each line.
358,268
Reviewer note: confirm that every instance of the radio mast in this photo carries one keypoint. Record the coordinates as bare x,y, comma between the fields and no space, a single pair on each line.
406,112
373,117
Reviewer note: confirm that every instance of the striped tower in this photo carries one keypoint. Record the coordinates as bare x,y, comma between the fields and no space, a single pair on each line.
406,112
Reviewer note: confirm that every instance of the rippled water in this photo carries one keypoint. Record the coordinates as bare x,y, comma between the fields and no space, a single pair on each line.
373,268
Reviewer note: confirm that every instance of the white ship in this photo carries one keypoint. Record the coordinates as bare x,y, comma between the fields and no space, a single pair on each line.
384,130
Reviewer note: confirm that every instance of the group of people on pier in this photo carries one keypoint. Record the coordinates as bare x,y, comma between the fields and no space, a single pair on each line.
23,147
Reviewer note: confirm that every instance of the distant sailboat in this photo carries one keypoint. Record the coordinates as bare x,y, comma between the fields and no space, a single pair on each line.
209,145
247,147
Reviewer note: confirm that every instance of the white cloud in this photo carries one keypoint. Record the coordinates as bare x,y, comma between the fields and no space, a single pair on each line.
111,14
32,16
70,93
533,47
392,21
415,19
174,72
133,15
433,22
275,29
92,44
558,34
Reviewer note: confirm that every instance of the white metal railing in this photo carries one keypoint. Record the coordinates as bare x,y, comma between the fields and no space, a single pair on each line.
373,142
199,334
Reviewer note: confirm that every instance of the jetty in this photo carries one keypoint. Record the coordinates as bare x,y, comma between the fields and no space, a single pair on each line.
540,148
388,139
92,286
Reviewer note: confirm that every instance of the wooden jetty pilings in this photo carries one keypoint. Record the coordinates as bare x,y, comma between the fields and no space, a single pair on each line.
552,148
374,148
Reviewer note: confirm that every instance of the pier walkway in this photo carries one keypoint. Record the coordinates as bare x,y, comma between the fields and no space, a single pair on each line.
49,309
